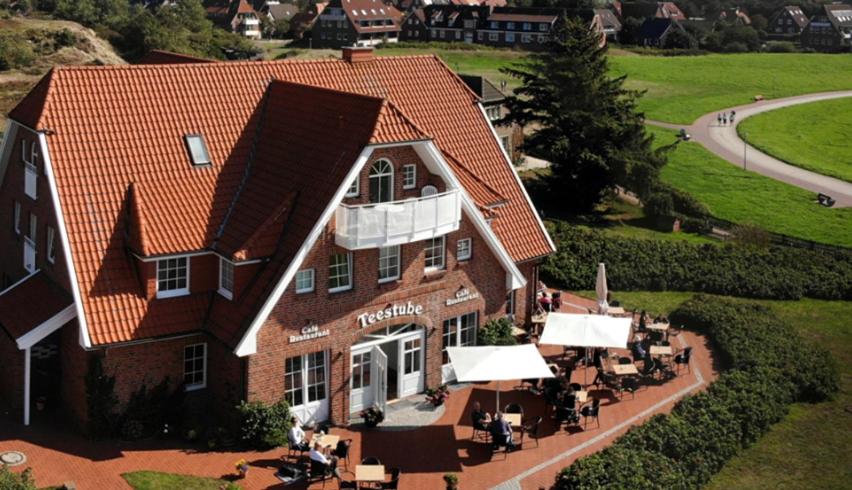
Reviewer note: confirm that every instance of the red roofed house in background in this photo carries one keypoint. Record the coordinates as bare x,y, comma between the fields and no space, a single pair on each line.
340,223
356,23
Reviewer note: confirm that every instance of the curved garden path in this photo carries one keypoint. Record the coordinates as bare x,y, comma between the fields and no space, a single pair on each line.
724,141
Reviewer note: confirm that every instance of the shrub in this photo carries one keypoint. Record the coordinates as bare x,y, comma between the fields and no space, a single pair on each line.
16,481
780,47
683,202
638,264
770,367
15,51
659,204
148,411
264,426
497,332
100,399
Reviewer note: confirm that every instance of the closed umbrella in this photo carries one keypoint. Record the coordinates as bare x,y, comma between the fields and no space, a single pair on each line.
498,363
601,289
574,330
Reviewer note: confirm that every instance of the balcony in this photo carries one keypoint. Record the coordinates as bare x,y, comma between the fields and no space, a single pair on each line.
398,222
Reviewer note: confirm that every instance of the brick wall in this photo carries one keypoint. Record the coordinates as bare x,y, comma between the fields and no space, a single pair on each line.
338,312
12,380
74,362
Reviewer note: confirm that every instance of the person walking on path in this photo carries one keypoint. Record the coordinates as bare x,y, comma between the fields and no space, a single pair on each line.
719,119
733,113
724,119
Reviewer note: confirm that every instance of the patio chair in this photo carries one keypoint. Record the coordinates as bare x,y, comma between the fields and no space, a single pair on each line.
320,472
393,484
342,451
514,408
478,427
625,360
683,359
531,429
348,484
500,441
631,385
591,411
371,460
296,450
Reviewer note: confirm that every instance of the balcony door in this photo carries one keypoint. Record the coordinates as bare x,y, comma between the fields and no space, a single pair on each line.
381,181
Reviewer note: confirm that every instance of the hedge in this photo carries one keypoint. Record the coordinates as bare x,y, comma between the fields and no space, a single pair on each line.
770,366
732,270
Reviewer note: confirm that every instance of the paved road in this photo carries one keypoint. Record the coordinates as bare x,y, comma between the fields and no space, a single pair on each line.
724,142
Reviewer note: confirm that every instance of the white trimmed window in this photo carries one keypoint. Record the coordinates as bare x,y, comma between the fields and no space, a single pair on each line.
409,176
305,281
51,245
16,211
33,228
510,37
226,278
464,249
353,190
493,36
340,272
435,254
493,112
195,367
30,170
388,263
197,149
172,277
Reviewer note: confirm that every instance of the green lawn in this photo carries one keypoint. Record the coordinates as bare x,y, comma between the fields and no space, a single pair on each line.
814,136
682,88
626,220
746,197
154,480
811,448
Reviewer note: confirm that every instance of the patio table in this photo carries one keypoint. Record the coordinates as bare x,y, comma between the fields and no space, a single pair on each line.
615,310
582,396
661,350
624,369
370,472
328,440
660,327
514,419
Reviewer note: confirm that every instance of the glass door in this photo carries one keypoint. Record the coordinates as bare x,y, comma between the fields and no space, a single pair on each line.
459,331
411,365
306,386
361,394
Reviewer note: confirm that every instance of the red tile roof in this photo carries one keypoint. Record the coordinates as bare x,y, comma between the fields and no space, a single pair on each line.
113,126
30,303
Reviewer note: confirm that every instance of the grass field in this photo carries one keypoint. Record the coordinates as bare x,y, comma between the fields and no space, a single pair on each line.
154,480
811,448
814,136
746,197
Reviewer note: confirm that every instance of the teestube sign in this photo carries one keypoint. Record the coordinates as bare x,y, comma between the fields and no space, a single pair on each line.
407,309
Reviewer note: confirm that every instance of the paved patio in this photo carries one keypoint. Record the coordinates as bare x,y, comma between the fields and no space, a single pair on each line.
423,454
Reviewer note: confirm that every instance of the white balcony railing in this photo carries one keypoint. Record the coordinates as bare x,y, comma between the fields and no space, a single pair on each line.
398,222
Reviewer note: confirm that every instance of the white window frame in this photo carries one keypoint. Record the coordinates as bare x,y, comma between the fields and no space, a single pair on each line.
505,143
493,36
409,176
527,26
16,210
304,378
455,330
387,267
460,246
203,383
224,266
32,232
510,37
171,293
526,38
198,160
383,169
312,273
51,245
348,275
354,188
430,245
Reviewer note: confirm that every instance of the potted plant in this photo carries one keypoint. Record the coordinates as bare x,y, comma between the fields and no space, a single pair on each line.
452,481
438,396
242,468
372,416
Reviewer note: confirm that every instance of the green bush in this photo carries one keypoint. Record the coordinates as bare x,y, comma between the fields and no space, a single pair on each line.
16,481
659,204
149,410
100,399
770,367
683,202
496,332
264,426
653,265
15,51
780,47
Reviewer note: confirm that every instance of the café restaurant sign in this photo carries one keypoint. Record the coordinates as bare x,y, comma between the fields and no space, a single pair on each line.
406,309
461,296
308,333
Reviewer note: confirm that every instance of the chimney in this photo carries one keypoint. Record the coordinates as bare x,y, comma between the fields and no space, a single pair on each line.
357,54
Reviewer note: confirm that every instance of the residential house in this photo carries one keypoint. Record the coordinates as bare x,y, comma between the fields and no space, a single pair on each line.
414,26
735,15
787,23
303,22
237,16
356,23
280,11
526,28
609,23
247,253
830,30
446,23
656,10
654,32
511,136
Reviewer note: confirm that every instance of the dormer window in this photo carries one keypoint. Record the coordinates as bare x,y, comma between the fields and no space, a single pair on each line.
197,149
172,277
226,278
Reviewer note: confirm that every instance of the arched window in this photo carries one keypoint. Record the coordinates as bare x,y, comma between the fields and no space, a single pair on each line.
381,181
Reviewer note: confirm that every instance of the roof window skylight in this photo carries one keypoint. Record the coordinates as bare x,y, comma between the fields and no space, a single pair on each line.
197,149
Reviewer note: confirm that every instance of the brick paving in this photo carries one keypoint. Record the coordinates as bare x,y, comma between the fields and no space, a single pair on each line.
423,455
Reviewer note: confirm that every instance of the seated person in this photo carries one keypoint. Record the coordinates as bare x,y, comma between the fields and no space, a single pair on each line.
296,436
319,455
479,417
638,350
501,432
567,409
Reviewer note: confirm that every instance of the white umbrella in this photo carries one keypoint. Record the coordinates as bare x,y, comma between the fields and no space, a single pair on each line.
585,331
601,289
498,363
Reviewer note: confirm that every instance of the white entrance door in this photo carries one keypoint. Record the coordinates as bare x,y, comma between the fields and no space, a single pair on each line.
380,363
362,392
411,365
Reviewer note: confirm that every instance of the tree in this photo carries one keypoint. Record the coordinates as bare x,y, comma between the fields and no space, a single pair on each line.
586,123
680,39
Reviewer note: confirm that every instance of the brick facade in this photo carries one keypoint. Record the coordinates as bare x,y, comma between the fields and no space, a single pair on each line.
12,380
